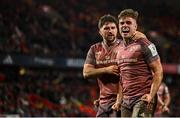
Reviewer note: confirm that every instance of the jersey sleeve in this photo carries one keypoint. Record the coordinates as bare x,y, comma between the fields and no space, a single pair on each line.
149,51
90,58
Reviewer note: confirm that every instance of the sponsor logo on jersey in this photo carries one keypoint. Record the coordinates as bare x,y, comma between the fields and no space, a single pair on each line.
153,50
134,48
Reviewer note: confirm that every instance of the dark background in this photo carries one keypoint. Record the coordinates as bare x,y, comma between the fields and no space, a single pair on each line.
43,44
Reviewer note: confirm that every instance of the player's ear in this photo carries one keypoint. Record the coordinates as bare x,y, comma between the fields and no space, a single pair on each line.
136,26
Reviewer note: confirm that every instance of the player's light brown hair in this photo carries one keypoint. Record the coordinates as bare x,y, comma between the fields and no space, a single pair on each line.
128,13
107,18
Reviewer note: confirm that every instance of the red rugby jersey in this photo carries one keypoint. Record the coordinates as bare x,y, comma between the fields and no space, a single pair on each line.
102,55
136,76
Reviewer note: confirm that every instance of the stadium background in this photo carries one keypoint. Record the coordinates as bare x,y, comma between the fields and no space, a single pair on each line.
43,44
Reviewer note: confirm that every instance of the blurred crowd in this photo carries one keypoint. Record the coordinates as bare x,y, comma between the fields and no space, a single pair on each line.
44,93
50,93
66,28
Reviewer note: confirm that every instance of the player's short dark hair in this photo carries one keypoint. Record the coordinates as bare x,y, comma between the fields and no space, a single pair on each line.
128,13
107,18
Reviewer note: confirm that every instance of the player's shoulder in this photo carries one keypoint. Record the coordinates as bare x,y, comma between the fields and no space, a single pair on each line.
144,41
96,45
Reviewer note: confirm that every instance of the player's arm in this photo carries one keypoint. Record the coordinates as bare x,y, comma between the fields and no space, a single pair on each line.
167,96
117,104
138,35
90,71
166,103
119,95
160,100
164,106
157,70
167,100
152,58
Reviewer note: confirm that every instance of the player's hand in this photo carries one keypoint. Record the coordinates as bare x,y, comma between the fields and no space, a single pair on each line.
138,35
165,109
146,98
117,106
113,70
96,102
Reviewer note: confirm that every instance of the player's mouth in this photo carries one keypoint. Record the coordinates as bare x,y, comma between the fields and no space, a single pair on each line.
110,35
125,29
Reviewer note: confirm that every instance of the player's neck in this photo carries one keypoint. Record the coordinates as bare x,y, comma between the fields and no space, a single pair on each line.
127,40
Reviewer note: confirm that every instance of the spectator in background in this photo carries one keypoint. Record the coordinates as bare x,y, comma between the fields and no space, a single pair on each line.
164,98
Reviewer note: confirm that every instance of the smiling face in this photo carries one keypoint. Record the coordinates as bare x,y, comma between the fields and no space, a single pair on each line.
127,27
108,32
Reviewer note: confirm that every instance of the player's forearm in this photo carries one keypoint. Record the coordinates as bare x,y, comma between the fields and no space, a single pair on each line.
119,95
160,101
157,79
91,72
167,100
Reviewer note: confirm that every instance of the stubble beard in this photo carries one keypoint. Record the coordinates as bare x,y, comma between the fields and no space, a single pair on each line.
111,41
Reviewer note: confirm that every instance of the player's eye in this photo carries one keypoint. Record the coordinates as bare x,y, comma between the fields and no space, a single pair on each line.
121,23
113,27
128,22
106,28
